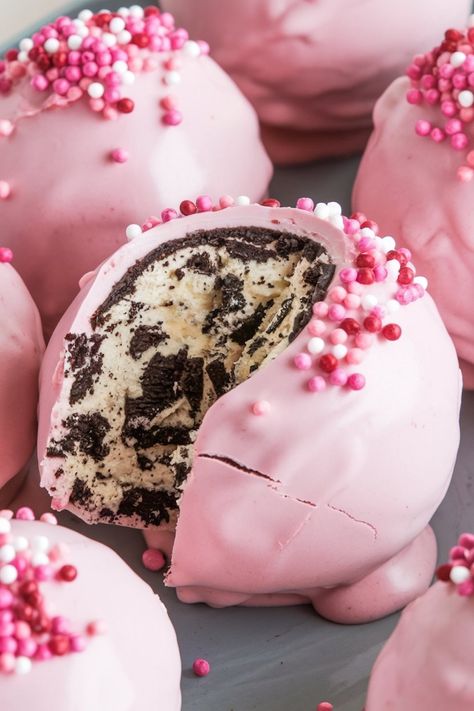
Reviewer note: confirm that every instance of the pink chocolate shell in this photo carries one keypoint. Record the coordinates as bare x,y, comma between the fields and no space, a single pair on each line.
326,497
427,662
133,665
59,166
313,70
408,184
21,350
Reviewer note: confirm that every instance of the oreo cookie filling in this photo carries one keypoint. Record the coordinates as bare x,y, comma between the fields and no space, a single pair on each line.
185,324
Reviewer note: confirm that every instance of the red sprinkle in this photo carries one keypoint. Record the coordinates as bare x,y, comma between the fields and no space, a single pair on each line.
59,645
391,332
365,260
187,207
372,324
125,106
270,202
365,276
443,572
350,326
328,363
406,276
68,573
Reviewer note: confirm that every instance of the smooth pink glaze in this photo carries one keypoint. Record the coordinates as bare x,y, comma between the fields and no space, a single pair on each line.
62,176
316,67
427,662
350,479
134,666
21,349
408,185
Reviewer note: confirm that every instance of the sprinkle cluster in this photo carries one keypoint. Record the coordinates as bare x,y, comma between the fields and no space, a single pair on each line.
352,317
28,631
97,56
445,77
460,569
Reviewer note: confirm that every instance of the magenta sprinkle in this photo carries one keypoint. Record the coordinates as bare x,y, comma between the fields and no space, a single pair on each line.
153,559
201,667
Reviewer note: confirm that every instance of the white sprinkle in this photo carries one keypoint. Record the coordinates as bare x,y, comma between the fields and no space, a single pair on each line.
242,200
136,11
85,15
388,243
22,57
133,231
51,45
40,544
393,268
20,543
128,78
422,281
116,25
339,350
120,66
109,39
321,210
377,241
124,37
7,553
368,302
191,49
457,58
172,78
8,574
39,559
337,221
123,12
466,98
367,232
392,306
5,525
95,90
459,574
315,345
26,44
22,665
74,42
82,31
334,208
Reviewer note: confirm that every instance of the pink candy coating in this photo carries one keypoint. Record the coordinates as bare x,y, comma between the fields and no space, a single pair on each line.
25,514
153,559
201,667
120,155
261,407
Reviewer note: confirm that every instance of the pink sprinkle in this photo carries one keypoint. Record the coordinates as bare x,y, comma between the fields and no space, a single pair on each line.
302,361
459,141
49,518
316,327
39,82
352,301
7,663
226,201
201,667
153,559
338,336
8,645
5,190
60,625
325,706
438,135
24,513
365,244
173,118
305,203
43,572
355,288
6,255
169,102
22,630
467,588
6,513
120,155
320,309
261,407
27,647
336,312
356,381
96,627
364,340
380,273
43,653
203,46
6,128
338,377
61,86
348,274
203,203
168,215
466,540
414,96
351,227
423,127
316,384
337,294
6,598
77,643
448,108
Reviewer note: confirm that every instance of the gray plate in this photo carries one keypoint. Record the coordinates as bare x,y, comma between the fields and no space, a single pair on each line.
288,659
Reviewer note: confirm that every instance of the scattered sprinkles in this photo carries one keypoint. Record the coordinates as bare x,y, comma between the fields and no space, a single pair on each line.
96,57
201,667
459,571
28,631
352,318
444,77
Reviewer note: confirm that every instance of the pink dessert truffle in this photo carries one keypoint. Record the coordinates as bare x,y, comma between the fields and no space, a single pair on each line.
103,119
313,70
415,178
427,662
278,383
79,630
21,349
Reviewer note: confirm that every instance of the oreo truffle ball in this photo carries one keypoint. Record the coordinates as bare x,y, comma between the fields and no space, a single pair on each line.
21,350
275,386
313,70
103,120
415,178
79,629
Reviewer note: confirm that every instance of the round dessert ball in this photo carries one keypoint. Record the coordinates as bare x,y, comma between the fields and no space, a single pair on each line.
415,178
275,380
313,70
79,629
21,350
427,662
103,120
